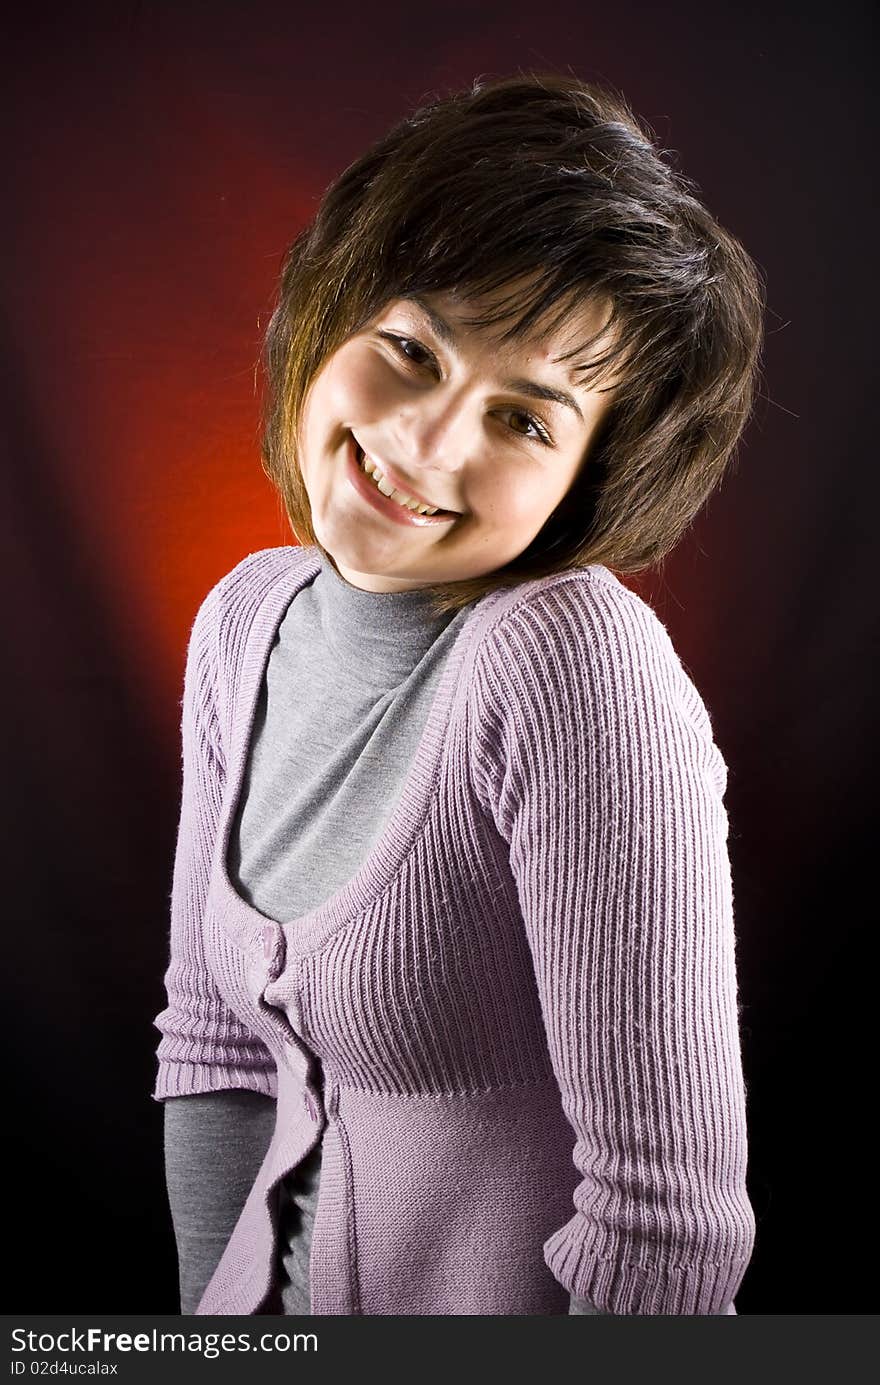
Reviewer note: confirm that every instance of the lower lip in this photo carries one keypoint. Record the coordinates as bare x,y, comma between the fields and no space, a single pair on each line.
371,493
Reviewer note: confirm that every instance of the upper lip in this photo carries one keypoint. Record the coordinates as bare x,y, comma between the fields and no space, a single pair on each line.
395,479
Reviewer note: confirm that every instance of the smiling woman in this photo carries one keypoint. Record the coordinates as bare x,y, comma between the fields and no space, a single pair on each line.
438,410
452,972
520,308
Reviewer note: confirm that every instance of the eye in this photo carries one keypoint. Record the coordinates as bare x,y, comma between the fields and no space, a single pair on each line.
540,431
401,344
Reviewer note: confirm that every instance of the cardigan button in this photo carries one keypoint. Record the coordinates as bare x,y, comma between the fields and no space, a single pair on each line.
268,941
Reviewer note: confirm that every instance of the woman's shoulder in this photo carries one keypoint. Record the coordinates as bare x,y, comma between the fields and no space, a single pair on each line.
581,638
236,602
250,579
586,608
243,588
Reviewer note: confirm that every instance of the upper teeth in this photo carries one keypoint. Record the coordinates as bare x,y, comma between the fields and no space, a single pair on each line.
371,469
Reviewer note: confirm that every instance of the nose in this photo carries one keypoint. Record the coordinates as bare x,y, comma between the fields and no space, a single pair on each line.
434,434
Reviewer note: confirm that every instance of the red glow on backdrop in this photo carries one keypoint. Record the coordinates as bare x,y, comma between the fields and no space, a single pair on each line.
152,229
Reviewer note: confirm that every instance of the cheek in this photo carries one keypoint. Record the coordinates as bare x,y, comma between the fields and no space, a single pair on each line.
355,384
516,500
331,400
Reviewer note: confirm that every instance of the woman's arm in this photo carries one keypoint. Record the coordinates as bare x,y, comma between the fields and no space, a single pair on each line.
204,1046
593,752
215,1144
581,1307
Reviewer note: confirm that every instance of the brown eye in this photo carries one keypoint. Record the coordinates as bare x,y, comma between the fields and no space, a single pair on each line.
540,432
400,345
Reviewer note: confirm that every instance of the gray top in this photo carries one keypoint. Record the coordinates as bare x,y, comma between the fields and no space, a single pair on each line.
347,690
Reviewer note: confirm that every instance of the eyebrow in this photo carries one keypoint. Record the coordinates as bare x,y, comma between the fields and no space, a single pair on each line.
446,332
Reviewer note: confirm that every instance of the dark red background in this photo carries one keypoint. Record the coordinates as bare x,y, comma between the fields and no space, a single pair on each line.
159,158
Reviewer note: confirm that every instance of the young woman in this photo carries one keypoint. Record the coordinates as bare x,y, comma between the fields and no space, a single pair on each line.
452,1021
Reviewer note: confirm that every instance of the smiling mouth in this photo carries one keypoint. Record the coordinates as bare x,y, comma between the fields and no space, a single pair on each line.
402,498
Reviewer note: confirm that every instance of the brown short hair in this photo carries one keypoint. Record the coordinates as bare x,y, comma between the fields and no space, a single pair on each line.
554,179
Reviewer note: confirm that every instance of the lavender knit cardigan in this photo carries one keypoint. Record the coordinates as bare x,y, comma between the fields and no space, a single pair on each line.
524,1002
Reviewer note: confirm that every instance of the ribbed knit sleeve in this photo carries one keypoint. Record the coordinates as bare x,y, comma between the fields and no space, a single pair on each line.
594,754
204,1046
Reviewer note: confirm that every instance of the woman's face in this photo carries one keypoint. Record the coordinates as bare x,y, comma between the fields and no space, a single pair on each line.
450,419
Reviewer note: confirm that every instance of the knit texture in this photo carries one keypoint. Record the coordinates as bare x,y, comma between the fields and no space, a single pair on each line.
534,968
348,687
